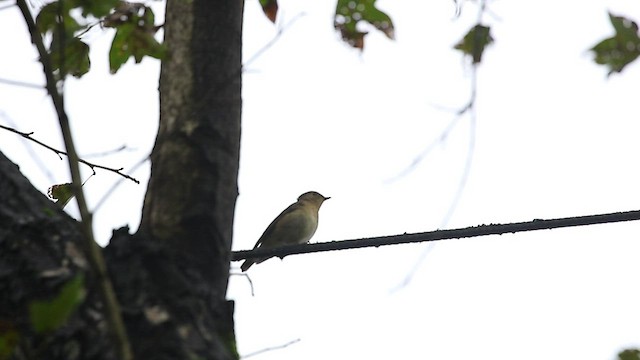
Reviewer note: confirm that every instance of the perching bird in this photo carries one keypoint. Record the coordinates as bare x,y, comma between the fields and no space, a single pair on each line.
295,225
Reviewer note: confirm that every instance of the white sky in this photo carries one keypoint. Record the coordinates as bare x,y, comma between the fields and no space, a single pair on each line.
554,138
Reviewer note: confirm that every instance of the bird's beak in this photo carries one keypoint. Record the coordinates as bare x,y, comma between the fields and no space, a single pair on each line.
327,198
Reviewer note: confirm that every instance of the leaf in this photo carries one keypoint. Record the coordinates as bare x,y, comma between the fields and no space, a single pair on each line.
76,57
622,48
475,42
48,19
270,9
96,8
629,354
47,316
134,37
9,338
55,18
351,12
62,193
122,14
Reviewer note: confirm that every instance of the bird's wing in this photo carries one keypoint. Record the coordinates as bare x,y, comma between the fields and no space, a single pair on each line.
274,224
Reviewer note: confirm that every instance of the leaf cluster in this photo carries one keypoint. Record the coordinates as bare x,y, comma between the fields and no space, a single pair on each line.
45,317
65,21
48,316
351,13
349,19
615,52
620,49
475,41
135,34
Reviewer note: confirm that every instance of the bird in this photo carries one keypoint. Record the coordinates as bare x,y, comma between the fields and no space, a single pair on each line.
295,225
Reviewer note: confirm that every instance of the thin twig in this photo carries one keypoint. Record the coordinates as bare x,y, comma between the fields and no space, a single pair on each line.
270,349
248,279
60,152
426,151
470,107
458,6
272,42
472,141
22,83
409,276
114,186
88,28
473,231
8,6
34,156
107,152
206,96
94,253
444,134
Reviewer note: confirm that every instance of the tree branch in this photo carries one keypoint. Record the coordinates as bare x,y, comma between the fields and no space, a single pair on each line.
278,347
480,230
34,156
8,6
104,153
94,253
21,83
268,45
60,152
117,183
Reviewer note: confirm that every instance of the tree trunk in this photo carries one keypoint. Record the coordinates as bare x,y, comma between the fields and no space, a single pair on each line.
187,218
192,192
170,277
41,250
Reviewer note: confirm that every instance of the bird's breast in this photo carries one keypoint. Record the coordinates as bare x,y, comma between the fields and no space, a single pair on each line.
299,228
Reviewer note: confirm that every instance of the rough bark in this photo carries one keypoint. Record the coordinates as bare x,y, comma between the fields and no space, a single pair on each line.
170,309
171,277
193,187
40,250
189,206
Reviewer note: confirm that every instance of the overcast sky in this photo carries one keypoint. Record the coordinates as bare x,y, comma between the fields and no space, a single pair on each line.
553,137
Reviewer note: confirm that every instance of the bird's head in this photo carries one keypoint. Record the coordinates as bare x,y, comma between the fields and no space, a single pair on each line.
313,197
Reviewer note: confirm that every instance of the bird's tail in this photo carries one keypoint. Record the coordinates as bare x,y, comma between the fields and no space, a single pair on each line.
247,264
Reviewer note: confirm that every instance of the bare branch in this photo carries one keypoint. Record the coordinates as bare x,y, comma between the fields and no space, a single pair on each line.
270,349
8,6
21,83
34,156
89,28
480,230
60,152
204,98
427,149
271,42
470,108
248,279
107,152
94,253
114,186
409,276
444,133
